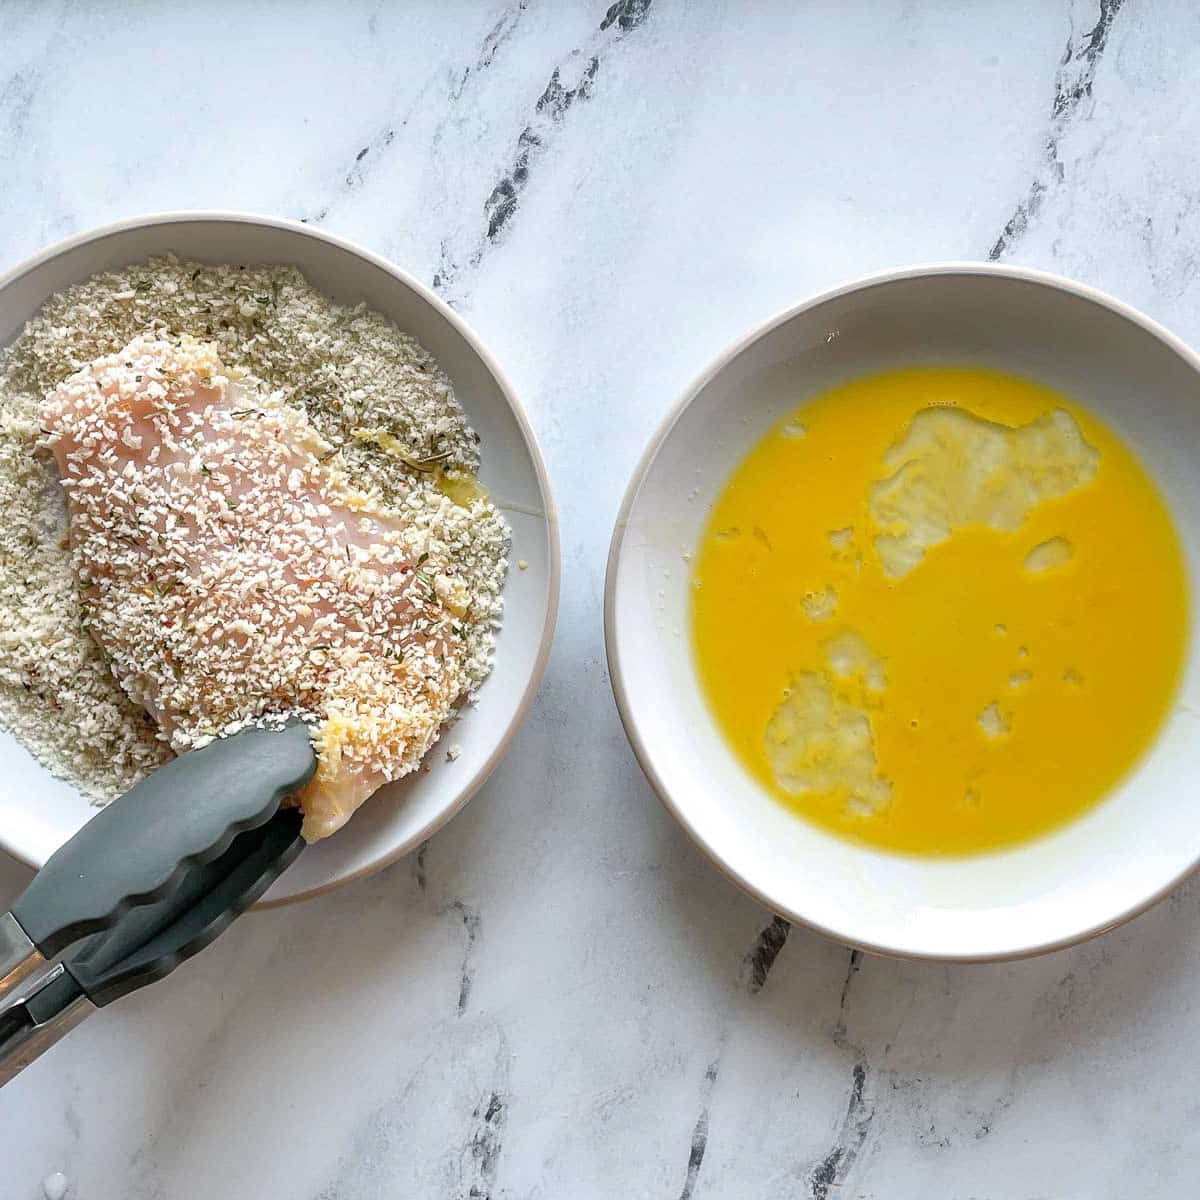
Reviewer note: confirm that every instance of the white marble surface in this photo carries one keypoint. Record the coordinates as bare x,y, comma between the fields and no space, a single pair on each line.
564,999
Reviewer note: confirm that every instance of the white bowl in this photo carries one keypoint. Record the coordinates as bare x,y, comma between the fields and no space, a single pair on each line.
38,813
1097,871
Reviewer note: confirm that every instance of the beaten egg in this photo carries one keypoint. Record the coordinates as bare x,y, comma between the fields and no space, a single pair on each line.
939,610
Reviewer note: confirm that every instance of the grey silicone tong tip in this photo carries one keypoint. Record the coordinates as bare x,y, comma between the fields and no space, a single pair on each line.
139,848
151,941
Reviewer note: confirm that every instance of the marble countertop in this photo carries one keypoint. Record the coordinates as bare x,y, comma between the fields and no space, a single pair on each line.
562,998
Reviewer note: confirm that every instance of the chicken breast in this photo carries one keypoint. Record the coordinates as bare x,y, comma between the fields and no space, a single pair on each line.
232,574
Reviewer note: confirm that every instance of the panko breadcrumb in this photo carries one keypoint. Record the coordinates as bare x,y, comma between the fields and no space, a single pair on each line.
381,405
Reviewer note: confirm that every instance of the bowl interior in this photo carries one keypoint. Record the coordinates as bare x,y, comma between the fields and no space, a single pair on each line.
1079,880
38,813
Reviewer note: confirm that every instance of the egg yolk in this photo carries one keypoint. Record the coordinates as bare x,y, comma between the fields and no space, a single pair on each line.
939,610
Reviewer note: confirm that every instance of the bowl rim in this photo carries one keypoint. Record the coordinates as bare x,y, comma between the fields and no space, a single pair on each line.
550,511
953,267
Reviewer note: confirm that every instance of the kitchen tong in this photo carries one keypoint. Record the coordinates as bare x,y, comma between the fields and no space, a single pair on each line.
148,882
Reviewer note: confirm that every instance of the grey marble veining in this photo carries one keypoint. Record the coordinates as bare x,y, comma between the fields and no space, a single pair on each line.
559,997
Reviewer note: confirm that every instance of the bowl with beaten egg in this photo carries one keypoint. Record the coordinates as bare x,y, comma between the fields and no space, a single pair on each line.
900,615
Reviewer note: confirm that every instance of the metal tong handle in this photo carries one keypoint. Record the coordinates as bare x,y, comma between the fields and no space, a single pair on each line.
135,851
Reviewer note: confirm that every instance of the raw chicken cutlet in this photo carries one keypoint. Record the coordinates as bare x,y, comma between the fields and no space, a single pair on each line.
232,574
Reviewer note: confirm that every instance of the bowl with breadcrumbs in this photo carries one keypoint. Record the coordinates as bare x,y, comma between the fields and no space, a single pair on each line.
900,612
251,473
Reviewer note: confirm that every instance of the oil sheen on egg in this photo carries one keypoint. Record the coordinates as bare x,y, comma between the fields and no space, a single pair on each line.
939,610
